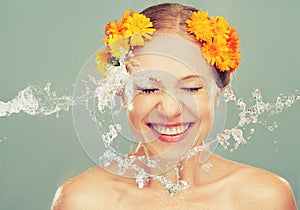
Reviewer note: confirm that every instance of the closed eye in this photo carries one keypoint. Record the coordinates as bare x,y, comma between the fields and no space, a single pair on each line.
194,89
148,90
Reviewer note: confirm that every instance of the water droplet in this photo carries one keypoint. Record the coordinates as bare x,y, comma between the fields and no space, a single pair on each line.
3,138
229,95
206,167
272,127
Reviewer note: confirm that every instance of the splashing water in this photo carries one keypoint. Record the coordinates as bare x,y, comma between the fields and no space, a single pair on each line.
36,101
43,102
254,115
3,139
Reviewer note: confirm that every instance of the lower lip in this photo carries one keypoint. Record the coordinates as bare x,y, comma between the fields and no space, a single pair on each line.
172,138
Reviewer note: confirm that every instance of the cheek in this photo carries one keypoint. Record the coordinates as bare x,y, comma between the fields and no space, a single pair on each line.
139,114
200,106
205,114
205,110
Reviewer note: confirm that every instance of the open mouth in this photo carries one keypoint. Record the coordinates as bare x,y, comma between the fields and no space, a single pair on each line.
170,132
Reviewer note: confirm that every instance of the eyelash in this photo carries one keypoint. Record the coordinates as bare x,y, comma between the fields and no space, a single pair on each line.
153,90
148,90
192,90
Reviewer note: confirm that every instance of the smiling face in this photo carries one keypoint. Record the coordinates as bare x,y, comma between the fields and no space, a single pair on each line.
173,108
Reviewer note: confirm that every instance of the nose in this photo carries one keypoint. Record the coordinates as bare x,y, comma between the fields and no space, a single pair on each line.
169,106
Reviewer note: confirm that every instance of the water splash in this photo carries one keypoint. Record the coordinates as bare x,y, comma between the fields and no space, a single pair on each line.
36,101
207,167
254,114
248,115
44,102
3,139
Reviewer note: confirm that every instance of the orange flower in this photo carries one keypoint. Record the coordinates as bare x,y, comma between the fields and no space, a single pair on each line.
219,41
235,58
233,39
214,50
200,25
233,45
116,29
220,26
113,29
125,16
225,64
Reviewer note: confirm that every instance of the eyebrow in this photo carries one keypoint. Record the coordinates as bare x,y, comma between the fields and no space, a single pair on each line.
188,77
155,79
191,77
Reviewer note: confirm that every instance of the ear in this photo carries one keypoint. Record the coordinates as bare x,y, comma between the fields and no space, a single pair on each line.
217,96
121,94
126,103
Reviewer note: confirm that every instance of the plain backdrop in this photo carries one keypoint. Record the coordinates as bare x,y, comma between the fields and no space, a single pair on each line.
49,41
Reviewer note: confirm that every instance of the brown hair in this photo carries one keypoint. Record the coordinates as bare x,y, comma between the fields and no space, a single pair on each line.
171,18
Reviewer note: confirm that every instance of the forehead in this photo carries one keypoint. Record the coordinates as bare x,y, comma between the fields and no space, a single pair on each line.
160,66
172,54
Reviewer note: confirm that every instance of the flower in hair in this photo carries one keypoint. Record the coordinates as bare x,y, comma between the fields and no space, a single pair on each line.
132,30
219,41
200,26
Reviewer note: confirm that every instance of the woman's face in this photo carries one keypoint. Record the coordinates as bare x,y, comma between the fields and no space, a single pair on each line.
173,106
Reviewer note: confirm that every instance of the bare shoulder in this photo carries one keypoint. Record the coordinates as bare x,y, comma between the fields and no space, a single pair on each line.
258,188
86,191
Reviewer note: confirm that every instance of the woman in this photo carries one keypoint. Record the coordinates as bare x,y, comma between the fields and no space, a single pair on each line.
170,112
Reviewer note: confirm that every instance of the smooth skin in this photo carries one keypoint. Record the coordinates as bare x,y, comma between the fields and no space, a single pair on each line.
227,186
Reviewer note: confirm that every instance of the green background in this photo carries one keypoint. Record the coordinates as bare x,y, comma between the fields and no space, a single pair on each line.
49,41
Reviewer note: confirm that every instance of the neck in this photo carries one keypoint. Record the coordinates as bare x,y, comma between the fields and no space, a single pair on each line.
187,170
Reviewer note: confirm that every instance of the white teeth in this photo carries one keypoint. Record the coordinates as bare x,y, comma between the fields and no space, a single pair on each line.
170,131
174,131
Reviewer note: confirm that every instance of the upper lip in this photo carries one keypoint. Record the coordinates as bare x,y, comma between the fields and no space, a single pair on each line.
170,130
171,126
168,124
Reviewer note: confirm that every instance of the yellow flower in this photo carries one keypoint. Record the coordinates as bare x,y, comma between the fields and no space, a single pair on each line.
225,65
214,51
219,41
139,27
220,26
102,58
120,36
136,40
201,26
118,45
